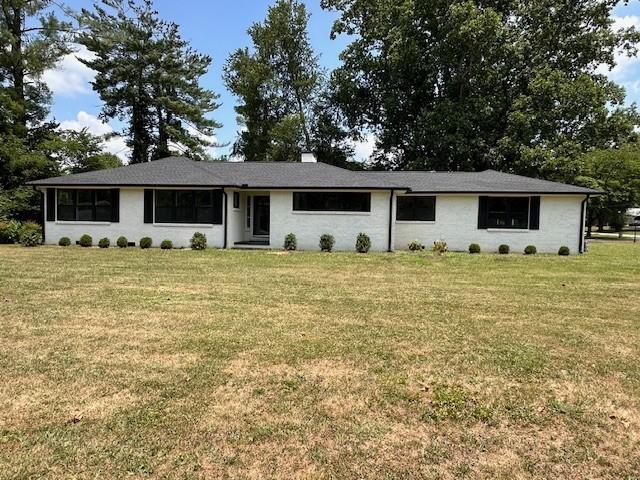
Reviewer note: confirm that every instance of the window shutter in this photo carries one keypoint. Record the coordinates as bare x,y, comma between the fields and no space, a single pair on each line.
534,213
216,211
51,204
148,206
482,212
115,205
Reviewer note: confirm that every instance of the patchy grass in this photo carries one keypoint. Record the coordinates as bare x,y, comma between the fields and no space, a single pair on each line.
182,364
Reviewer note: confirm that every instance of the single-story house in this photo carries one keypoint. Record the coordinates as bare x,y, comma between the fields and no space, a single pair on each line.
255,204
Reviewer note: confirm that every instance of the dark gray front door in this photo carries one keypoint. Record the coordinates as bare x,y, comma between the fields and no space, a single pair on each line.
261,215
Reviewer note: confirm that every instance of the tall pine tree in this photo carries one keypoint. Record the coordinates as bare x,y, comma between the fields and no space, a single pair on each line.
148,76
32,40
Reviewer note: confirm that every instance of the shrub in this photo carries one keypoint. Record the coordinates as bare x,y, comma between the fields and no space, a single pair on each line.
474,248
327,242
503,249
122,242
86,240
415,246
564,251
166,245
290,242
198,241
30,238
146,242
64,242
104,242
440,247
530,250
10,231
363,243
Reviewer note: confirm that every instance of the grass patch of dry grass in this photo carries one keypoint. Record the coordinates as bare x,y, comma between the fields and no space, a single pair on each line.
224,364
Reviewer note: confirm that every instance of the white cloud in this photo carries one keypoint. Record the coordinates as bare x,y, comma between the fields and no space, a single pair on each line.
364,148
94,125
623,61
212,139
71,77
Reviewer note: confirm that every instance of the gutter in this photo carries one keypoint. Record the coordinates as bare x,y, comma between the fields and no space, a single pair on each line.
582,241
390,246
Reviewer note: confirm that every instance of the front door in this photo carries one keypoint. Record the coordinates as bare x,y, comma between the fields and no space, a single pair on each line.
260,215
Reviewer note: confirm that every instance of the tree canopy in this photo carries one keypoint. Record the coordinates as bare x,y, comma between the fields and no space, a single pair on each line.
467,85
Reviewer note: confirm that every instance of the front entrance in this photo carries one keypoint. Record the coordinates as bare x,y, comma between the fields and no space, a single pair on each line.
261,216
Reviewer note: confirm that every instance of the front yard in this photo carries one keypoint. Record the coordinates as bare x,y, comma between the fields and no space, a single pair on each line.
185,364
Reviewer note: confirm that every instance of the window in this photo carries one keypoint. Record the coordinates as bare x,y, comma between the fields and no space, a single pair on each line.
332,201
236,199
508,212
84,205
416,209
188,206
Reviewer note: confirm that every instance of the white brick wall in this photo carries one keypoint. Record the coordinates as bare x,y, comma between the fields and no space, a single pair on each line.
457,222
308,227
132,226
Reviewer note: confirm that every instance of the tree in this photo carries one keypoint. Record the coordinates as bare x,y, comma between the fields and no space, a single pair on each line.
80,151
616,172
281,88
149,76
468,85
33,40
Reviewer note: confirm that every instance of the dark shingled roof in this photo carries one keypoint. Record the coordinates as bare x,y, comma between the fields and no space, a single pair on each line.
182,172
488,181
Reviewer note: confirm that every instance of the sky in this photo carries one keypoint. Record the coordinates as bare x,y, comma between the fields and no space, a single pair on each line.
219,27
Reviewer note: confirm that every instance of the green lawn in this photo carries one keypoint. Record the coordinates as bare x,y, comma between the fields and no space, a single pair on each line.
225,364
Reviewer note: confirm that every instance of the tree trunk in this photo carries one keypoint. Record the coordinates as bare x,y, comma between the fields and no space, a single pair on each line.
17,72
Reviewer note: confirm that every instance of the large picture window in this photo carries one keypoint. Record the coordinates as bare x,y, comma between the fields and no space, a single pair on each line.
85,205
332,201
508,212
416,208
188,206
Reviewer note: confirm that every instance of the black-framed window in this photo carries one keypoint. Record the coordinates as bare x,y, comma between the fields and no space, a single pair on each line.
418,208
87,205
236,199
508,212
332,201
188,206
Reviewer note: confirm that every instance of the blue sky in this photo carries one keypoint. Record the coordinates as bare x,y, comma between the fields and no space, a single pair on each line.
218,27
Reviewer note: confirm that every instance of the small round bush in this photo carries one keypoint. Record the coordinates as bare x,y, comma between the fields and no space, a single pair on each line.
64,242
198,241
363,243
327,242
474,248
415,246
86,240
290,242
530,250
30,238
145,242
166,245
564,251
440,247
122,242
104,242
503,249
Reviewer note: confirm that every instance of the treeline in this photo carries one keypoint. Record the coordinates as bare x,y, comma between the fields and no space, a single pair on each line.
512,85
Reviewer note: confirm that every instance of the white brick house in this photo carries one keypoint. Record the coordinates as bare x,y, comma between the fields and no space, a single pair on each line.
255,205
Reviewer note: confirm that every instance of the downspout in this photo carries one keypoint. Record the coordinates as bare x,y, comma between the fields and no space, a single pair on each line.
581,244
226,219
390,247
